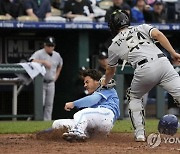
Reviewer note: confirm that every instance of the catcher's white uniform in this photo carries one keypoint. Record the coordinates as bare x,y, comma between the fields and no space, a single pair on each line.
135,45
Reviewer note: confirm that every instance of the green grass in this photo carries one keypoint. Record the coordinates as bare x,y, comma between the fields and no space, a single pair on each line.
126,126
20,127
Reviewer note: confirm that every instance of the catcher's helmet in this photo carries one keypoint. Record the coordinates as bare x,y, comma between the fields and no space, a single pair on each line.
168,124
118,20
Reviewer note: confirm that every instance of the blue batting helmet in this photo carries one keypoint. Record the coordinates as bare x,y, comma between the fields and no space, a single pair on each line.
168,124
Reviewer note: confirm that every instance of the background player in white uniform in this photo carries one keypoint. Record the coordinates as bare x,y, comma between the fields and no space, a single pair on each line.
53,63
101,109
135,44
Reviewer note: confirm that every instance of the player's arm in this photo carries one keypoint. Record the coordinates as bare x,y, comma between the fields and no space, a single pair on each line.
31,13
58,71
48,14
68,12
111,67
87,101
156,34
8,15
43,62
71,16
110,71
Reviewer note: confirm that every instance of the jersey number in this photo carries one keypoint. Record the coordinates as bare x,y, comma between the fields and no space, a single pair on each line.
134,41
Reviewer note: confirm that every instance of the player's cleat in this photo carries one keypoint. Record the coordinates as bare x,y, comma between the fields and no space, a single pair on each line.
74,136
140,138
68,137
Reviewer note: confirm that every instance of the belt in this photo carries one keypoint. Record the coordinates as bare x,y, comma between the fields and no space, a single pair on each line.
48,81
145,60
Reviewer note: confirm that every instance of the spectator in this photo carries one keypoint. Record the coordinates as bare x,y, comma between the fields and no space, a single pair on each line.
141,12
56,3
131,3
117,5
78,9
11,8
159,15
99,13
150,2
53,64
39,9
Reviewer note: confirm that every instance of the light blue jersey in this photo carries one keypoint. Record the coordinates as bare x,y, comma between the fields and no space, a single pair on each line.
106,98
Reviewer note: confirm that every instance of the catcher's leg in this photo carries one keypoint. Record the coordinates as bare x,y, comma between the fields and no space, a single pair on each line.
136,113
141,84
173,88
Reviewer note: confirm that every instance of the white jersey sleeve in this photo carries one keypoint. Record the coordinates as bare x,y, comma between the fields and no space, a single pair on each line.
147,29
113,58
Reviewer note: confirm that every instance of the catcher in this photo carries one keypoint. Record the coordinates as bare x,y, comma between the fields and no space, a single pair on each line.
136,45
101,110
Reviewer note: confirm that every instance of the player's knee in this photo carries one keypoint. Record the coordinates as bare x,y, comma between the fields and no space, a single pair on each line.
56,124
136,105
81,115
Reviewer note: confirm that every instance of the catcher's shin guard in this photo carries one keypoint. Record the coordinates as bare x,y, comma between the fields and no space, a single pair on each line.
136,113
177,101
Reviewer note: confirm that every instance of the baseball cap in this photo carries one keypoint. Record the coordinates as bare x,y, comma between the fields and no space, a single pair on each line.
50,41
103,55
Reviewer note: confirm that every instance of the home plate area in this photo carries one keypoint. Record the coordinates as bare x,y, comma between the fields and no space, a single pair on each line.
53,143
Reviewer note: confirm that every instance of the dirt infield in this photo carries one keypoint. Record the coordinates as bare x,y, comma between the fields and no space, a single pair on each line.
52,143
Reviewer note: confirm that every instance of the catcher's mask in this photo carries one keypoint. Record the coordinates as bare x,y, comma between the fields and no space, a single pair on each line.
118,20
168,124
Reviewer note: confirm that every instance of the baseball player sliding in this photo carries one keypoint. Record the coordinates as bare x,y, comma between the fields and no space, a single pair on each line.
135,44
101,109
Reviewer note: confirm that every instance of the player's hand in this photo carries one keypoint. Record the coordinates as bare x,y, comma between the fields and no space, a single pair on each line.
176,57
9,16
69,106
47,64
